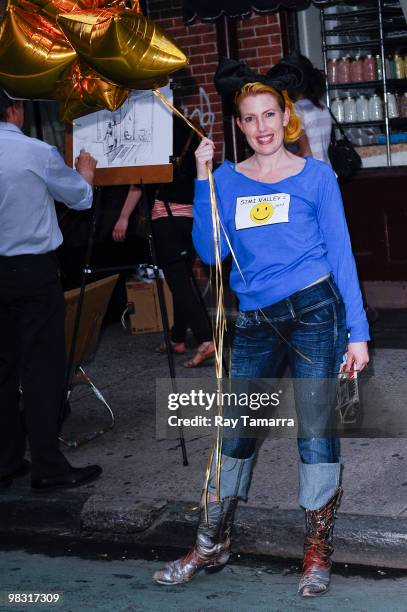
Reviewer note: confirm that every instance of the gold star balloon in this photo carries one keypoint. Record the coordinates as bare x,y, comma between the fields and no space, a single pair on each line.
122,46
52,8
33,54
85,53
82,91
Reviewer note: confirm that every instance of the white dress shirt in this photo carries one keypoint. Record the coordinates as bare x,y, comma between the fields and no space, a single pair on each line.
33,175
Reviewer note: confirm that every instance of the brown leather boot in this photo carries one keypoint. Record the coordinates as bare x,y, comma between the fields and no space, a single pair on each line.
211,550
318,548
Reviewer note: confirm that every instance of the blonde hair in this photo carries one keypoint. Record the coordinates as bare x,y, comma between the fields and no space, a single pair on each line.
292,130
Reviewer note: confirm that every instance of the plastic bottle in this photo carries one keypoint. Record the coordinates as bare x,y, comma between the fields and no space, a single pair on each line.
390,67
398,98
344,70
337,110
392,109
333,71
399,66
379,67
369,68
356,70
403,106
362,108
375,108
349,108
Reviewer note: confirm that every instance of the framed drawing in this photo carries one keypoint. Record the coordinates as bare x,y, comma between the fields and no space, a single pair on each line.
131,145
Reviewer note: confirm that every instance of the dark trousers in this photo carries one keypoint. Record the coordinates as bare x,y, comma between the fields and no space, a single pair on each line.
173,236
32,354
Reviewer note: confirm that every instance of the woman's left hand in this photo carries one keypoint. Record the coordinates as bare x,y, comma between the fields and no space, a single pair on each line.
357,356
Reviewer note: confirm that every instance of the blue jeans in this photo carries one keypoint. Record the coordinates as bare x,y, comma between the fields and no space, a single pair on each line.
312,322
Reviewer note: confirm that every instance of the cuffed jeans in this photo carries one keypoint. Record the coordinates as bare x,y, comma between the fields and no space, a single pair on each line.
309,329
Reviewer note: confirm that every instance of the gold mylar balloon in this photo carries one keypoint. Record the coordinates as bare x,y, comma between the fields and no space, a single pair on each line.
122,46
82,91
33,55
52,8
39,41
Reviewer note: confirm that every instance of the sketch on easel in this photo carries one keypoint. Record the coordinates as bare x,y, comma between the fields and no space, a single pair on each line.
139,133
127,134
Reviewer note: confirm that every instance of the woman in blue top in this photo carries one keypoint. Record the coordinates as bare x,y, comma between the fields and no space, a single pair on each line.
299,297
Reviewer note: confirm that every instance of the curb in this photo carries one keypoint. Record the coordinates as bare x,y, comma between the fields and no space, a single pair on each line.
359,539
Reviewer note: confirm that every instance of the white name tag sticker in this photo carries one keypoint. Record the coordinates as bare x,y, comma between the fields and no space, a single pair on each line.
252,211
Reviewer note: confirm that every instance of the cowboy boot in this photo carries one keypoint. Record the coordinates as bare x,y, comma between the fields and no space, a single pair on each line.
212,546
318,548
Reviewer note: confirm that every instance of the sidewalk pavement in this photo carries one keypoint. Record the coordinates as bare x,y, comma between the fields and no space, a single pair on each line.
146,496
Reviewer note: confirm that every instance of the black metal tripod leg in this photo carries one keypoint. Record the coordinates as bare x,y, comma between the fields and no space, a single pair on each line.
70,367
163,310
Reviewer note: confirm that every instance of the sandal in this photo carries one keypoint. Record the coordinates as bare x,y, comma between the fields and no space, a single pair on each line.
176,347
205,351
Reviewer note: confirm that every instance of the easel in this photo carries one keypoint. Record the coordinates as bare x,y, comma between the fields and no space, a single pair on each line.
139,175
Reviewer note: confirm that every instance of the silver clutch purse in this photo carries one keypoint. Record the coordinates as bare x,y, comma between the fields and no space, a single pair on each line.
347,398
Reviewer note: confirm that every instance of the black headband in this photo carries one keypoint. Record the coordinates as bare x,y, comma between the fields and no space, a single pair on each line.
231,75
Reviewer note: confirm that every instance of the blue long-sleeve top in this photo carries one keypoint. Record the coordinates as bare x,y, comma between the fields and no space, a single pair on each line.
285,236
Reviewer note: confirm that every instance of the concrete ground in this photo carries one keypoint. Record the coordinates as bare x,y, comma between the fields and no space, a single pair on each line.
146,495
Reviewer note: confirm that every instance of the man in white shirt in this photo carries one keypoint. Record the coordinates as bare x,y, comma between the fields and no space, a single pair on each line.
32,307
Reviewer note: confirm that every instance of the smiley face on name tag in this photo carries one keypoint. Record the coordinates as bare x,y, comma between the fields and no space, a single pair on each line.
255,211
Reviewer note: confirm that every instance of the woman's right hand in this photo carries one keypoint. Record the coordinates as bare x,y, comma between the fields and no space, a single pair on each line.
120,229
204,157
